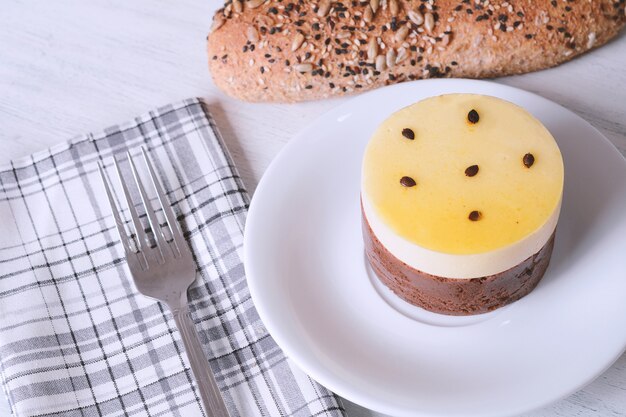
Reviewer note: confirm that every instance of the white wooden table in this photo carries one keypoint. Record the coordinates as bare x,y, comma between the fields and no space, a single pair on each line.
69,66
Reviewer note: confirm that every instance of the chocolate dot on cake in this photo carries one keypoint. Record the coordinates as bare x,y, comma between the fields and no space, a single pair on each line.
471,170
473,117
408,133
528,160
475,215
408,182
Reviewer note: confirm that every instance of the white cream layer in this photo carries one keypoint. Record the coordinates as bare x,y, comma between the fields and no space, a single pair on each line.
459,266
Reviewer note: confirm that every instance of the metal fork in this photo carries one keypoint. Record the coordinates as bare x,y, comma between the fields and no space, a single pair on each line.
165,272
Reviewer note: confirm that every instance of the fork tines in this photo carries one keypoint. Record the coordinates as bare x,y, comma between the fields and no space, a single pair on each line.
166,251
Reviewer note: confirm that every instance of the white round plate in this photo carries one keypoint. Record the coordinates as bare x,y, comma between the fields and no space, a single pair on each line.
309,280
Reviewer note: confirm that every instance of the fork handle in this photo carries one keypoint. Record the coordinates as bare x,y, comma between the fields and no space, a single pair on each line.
209,391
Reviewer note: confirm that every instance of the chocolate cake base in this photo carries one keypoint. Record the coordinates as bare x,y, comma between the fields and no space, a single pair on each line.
459,297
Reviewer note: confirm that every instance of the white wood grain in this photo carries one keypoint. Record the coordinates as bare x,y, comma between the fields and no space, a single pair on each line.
68,67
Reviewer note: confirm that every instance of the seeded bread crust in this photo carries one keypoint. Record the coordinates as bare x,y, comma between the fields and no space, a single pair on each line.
296,50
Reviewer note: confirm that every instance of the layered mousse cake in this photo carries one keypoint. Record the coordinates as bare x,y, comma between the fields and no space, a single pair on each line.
460,199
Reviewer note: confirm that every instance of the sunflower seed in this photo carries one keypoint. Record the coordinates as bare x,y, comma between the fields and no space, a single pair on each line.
323,8
218,21
297,41
302,68
402,55
374,5
253,4
237,6
380,63
391,58
394,8
416,17
401,34
252,34
429,22
591,40
372,49
368,15
263,20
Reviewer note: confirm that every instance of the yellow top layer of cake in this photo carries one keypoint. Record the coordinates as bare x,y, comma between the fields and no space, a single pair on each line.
443,204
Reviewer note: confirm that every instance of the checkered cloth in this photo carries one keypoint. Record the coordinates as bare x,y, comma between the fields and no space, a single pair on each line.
77,339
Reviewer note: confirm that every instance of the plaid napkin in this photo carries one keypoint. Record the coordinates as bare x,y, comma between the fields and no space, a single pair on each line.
77,339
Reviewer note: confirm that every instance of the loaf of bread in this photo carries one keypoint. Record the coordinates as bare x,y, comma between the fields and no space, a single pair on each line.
295,50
